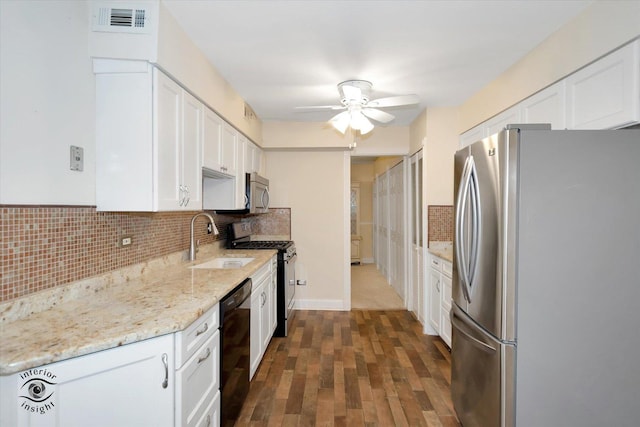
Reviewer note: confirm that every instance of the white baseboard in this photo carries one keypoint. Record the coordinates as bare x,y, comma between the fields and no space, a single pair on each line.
322,304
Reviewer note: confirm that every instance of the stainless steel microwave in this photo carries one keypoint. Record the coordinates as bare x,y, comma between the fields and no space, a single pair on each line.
256,193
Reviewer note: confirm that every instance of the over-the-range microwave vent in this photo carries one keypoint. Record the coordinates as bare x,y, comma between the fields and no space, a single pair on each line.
121,18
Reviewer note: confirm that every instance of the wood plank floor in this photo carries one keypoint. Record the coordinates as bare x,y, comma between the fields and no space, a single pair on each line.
358,368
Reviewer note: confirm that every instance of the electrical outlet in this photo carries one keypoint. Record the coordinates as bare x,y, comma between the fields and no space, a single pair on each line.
76,158
125,241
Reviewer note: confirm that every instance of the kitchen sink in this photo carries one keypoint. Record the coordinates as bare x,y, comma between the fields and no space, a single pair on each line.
225,263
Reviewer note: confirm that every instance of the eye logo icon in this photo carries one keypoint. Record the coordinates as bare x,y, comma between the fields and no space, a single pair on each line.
36,391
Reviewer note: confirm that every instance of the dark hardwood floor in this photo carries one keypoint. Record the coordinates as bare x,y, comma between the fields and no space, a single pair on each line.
358,368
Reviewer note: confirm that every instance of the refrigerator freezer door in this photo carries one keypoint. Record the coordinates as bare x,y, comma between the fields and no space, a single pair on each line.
482,370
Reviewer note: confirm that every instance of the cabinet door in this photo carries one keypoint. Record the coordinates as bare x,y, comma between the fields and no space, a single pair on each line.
497,123
472,135
212,141
122,386
606,94
546,106
229,149
191,144
256,341
265,314
167,136
434,298
274,293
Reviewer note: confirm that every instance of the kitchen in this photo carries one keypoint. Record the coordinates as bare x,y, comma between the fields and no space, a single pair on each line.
44,183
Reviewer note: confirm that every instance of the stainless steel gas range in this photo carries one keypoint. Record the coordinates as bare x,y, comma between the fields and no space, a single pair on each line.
240,237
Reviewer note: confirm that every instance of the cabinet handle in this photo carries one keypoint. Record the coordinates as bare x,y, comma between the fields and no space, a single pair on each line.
165,362
205,357
264,299
438,285
208,420
203,330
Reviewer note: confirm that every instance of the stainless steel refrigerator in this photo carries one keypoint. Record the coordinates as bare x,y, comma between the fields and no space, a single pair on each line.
546,279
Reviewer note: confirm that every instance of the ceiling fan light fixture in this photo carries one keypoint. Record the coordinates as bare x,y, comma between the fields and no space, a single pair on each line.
341,121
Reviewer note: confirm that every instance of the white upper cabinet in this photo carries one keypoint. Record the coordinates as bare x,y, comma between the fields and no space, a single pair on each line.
546,106
472,135
253,158
603,95
220,145
507,117
212,141
229,153
149,140
606,94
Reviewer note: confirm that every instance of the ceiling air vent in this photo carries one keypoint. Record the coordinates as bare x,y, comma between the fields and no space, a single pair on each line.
121,19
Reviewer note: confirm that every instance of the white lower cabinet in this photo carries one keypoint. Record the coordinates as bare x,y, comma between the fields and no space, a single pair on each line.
197,369
263,302
440,297
170,380
132,385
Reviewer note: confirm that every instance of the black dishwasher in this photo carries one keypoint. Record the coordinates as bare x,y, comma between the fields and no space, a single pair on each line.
235,344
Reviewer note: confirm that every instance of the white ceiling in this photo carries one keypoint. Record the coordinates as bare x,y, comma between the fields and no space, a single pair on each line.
282,54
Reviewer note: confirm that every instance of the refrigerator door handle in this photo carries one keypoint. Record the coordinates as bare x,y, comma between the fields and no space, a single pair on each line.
460,224
476,224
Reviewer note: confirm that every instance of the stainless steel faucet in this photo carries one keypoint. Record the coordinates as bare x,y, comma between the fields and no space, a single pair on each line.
192,241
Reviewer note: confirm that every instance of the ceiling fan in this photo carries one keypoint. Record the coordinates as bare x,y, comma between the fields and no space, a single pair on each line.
354,97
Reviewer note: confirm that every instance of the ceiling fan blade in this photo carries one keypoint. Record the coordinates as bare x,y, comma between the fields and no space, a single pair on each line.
352,92
394,101
378,115
321,107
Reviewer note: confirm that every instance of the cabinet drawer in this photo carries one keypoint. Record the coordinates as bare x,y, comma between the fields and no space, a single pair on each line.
447,268
211,416
259,276
189,340
197,382
436,264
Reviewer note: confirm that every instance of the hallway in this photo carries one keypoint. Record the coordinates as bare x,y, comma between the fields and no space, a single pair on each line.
370,290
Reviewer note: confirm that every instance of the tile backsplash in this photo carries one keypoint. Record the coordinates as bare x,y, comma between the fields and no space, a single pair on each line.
440,223
47,246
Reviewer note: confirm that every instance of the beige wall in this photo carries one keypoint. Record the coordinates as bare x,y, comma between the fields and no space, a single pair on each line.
418,132
363,174
442,143
314,185
601,28
381,141
178,56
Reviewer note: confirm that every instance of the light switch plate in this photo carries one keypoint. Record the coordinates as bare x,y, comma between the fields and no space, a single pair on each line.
76,158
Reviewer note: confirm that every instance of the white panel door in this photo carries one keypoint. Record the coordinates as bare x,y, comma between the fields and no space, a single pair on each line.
606,94
168,156
212,141
191,144
546,106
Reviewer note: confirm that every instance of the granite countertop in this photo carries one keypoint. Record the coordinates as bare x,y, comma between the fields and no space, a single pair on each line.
443,250
128,305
